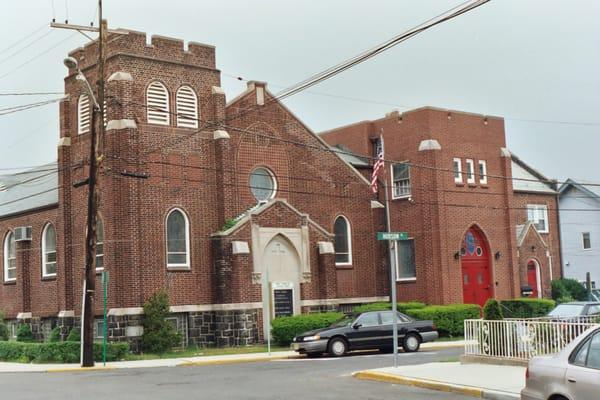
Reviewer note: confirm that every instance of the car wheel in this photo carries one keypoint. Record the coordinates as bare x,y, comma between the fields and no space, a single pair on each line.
411,343
338,347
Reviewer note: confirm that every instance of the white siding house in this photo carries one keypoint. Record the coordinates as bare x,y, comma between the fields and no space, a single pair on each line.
579,206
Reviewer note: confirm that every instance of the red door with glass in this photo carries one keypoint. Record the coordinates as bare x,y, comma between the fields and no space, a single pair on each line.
476,271
532,278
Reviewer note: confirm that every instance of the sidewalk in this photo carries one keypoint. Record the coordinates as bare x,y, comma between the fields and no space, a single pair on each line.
477,380
181,362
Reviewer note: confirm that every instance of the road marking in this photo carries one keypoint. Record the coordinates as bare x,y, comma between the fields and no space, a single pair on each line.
308,359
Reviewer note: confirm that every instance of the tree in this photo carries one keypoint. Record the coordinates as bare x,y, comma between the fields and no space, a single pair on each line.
159,335
492,310
564,290
74,335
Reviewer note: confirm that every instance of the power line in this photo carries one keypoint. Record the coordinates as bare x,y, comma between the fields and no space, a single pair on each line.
29,93
15,109
23,38
38,55
5,59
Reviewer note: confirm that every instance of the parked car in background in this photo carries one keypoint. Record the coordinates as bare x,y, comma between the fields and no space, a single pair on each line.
595,295
572,374
369,330
575,309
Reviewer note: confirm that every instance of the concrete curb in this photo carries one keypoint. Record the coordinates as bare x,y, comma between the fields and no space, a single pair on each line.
234,361
435,385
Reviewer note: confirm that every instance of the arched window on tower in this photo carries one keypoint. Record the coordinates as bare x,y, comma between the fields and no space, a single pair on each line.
178,239
343,241
187,107
49,251
157,104
84,114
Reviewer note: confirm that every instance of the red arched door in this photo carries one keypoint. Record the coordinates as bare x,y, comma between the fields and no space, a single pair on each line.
532,279
476,271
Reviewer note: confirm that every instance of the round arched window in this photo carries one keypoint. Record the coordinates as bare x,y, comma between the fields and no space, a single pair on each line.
263,184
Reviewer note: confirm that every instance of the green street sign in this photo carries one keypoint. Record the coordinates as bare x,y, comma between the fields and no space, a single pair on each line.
392,235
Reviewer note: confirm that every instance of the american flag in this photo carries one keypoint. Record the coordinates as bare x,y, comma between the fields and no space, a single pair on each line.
378,166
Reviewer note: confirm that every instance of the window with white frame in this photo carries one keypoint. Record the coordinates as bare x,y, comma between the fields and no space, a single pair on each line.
457,164
587,242
405,260
178,240
10,258
482,172
538,214
49,251
84,114
470,171
187,107
99,244
263,184
401,180
157,103
343,241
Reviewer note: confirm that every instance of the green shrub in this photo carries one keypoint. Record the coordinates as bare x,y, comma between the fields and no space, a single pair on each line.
74,335
4,333
24,334
54,335
564,289
448,319
382,306
284,329
159,335
61,352
526,307
492,310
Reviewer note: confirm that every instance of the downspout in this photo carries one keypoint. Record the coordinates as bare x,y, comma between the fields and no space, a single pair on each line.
560,250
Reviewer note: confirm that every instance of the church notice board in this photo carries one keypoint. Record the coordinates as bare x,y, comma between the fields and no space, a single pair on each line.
283,300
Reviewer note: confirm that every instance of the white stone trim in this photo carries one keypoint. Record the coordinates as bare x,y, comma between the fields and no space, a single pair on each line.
429,144
238,247
349,300
220,134
121,124
376,204
24,315
189,308
117,312
326,248
217,90
120,76
505,153
64,142
66,314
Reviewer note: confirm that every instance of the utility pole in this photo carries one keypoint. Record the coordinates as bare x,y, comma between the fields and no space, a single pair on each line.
95,158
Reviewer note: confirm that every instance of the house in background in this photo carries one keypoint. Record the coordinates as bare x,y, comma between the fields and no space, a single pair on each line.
580,230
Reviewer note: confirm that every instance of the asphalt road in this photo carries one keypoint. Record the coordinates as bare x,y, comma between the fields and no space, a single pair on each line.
322,378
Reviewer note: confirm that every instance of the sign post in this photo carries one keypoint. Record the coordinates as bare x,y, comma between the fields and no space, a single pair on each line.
393,236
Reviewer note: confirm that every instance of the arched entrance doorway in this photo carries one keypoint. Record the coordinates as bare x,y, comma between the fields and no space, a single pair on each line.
281,269
476,269
534,279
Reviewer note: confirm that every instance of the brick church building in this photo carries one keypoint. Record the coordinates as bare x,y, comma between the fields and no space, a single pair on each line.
240,211
481,222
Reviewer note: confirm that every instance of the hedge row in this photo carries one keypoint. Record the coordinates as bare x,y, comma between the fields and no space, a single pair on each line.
448,319
61,352
402,307
284,329
526,308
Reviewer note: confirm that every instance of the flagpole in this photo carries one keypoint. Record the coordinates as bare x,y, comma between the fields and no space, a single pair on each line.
391,245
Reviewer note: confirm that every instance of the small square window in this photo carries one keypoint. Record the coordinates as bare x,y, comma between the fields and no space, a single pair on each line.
538,214
587,243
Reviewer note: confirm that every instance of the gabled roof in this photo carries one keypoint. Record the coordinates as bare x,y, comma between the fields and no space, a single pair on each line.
523,231
528,179
592,191
29,190
260,208
268,95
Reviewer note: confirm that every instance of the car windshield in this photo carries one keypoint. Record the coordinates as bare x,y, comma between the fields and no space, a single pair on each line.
566,310
343,322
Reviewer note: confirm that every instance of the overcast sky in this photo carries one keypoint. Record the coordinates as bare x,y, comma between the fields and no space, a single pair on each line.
534,62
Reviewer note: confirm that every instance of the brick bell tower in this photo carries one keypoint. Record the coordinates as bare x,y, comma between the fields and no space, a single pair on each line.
153,159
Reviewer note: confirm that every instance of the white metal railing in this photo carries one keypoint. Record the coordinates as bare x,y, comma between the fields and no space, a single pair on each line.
519,339
585,319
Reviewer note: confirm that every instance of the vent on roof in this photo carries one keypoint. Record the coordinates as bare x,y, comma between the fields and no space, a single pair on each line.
157,99
187,108
23,234
83,114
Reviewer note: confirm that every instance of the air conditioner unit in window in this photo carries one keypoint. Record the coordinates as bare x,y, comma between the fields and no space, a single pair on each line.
23,234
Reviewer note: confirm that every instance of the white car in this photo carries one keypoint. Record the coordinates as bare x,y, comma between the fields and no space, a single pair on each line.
572,374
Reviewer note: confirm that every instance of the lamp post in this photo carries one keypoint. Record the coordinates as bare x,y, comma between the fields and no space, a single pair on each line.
87,331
